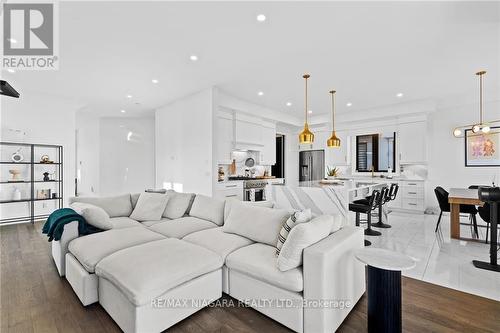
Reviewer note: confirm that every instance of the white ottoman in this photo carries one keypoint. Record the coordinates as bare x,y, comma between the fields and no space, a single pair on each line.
150,287
87,251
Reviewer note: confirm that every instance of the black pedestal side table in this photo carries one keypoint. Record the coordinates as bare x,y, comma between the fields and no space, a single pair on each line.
384,287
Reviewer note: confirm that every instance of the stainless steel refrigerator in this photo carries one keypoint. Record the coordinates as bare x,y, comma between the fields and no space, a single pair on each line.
312,165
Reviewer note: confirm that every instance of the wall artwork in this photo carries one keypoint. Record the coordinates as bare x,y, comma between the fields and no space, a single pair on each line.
482,149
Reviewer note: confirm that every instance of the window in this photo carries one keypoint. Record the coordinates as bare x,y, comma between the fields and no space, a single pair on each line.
376,151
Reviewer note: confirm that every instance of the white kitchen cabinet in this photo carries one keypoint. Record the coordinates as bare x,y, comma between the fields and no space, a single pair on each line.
229,189
340,156
412,143
248,131
268,152
410,196
224,138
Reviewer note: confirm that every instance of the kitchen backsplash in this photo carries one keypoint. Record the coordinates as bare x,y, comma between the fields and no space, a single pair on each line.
240,157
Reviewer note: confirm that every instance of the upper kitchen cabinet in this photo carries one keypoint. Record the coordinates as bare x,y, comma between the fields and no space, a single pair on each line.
412,143
248,132
224,137
339,156
268,152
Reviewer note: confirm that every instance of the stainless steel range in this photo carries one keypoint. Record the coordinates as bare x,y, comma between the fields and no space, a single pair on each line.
254,190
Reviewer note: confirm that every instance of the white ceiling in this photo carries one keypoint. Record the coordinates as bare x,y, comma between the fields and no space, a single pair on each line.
368,52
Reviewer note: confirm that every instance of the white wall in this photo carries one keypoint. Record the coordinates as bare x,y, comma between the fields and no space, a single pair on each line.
88,155
446,154
184,143
44,119
126,154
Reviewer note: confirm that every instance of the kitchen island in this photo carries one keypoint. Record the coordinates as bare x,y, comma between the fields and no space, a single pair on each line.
348,190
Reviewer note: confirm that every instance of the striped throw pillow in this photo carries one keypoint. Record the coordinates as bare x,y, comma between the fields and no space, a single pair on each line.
296,218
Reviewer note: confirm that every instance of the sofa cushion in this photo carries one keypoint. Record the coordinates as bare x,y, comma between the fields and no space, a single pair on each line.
230,201
259,261
218,241
91,249
157,267
296,218
93,215
179,228
149,207
208,208
178,204
124,222
115,206
302,236
260,224
151,223
134,197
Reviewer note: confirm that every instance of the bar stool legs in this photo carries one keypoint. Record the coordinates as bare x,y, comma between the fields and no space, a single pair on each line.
367,243
380,224
369,231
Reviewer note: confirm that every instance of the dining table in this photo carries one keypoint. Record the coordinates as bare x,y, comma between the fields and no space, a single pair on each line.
457,197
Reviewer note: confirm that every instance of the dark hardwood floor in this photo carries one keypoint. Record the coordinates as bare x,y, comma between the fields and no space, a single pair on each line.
35,299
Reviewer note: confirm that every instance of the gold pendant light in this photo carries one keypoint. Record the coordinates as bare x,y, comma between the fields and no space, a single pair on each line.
333,141
481,127
306,136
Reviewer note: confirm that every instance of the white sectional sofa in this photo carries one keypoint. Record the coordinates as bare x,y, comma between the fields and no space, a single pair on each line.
149,275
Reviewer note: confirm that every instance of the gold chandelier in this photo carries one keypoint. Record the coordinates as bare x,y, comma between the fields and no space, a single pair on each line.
482,126
306,136
333,141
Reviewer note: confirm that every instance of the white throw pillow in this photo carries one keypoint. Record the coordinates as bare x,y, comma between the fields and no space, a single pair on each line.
230,201
149,207
300,237
259,224
178,204
296,218
93,215
115,206
209,209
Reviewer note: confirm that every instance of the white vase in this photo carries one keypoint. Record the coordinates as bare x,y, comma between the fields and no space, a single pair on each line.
16,195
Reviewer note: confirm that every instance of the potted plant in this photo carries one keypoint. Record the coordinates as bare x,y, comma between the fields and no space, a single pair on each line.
332,173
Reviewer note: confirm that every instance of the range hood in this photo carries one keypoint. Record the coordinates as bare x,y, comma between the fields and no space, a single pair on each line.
7,90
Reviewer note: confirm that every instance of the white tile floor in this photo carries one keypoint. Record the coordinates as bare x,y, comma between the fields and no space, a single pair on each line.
441,260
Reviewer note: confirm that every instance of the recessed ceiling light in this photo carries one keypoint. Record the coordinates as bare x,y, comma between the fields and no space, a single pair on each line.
155,81
12,40
10,70
193,57
310,111
399,95
129,96
288,103
261,17
349,104
123,111
260,93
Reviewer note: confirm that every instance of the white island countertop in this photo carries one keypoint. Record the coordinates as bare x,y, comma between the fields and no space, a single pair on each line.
349,190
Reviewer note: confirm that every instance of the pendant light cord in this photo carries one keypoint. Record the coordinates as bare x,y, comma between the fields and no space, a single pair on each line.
481,101
333,110
481,97
306,77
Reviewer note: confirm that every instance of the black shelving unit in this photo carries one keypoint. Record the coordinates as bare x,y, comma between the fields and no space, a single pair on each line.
31,200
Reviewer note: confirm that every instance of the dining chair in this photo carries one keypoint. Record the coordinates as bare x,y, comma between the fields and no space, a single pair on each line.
444,205
484,211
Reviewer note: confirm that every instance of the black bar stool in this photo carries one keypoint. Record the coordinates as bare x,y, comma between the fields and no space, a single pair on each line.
386,196
366,207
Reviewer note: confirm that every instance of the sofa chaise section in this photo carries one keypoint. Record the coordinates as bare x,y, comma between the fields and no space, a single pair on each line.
221,243
144,288
86,252
182,227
